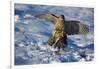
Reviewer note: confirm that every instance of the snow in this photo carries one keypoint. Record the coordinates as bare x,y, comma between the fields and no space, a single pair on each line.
31,35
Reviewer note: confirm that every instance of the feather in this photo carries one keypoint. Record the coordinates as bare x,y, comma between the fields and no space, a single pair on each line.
48,17
75,27
83,29
70,27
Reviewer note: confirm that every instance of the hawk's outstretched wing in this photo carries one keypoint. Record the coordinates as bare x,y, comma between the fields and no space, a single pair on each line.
75,27
48,17
71,27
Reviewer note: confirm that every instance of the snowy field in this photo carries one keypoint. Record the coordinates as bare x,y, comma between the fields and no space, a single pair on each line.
31,35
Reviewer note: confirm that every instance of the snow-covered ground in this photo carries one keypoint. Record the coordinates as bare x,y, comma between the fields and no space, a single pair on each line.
31,35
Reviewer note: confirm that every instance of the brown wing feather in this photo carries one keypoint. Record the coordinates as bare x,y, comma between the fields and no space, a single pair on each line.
48,17
75,27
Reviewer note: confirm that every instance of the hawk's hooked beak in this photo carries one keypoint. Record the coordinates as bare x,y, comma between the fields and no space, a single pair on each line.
62,16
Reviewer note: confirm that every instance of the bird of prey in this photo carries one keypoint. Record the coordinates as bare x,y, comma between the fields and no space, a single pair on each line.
62,28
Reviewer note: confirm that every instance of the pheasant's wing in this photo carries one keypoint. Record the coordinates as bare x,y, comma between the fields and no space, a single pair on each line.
48,17
75,27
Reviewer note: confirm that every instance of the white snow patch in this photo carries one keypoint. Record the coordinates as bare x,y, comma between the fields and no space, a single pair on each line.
82,40
16,18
